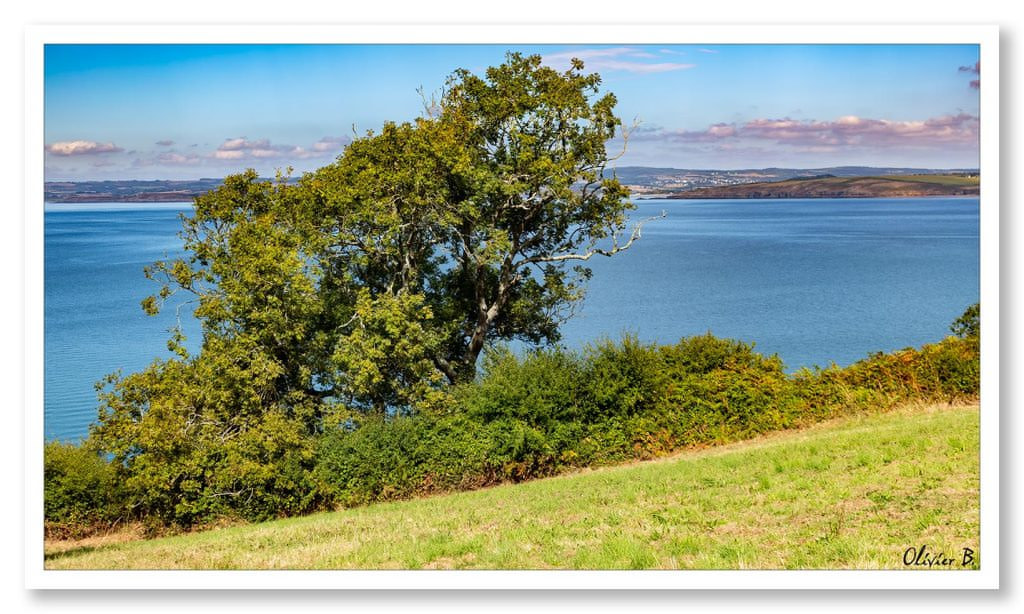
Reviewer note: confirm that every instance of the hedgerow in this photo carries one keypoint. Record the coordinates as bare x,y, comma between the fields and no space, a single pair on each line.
525,416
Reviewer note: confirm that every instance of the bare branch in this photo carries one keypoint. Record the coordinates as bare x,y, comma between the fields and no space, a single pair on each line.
616,248
626,133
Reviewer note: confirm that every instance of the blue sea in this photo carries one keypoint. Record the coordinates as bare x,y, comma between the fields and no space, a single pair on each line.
814,281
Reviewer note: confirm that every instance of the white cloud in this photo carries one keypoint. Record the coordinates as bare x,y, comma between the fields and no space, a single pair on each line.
241,148
81,148
331,144
627,59
230,154
169,158
242,144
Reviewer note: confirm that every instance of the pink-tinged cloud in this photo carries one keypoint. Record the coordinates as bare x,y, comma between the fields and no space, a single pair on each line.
262,149
81,148
852,130
177,158
713,133
331,144
627,59
242,144
230,154
720,131
846,131
244,149
169,158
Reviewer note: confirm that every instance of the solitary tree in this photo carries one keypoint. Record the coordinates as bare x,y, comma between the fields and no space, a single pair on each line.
376,280
478,209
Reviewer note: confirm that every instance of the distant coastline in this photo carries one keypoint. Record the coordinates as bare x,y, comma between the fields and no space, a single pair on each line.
127,191
643,182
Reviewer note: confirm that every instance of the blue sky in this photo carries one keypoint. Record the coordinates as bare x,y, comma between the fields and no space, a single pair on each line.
189,111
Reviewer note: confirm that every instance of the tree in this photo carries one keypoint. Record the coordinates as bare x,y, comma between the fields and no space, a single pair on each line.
480,207
373,282
968,325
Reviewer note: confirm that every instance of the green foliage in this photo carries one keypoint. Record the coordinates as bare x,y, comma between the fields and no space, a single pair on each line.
969,322
622,379
705,353
740,394
192,440
539,389
948,370
80,490
399,457
386,359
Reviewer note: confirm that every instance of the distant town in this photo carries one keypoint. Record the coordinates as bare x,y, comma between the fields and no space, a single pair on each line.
644,182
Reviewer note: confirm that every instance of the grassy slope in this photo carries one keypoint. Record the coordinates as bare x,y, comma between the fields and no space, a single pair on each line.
956,180
853,493
839,187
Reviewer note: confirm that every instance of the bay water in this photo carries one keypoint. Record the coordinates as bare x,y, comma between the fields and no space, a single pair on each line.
815,281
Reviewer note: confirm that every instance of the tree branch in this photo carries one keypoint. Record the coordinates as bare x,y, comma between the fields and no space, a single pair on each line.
616,248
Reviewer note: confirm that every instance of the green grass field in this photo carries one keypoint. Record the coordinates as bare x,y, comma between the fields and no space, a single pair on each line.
852,493
957,180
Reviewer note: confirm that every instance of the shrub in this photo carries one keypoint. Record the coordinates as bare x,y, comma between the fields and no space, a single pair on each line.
621,379
80,490
541,389
705,353
195,440
948,371
401,456
723,391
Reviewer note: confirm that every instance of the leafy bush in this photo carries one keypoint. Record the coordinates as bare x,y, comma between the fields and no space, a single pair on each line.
80,490
192,441
705,353
539,389
536,415
949,370
401,456
722,390
621,379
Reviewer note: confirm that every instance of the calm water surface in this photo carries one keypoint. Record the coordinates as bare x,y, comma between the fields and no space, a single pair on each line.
816,281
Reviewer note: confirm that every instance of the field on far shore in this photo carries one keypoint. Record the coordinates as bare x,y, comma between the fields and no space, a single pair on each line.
856,492
956,180
883,186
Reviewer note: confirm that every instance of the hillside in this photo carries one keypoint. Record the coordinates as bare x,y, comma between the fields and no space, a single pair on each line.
852,493
844,187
